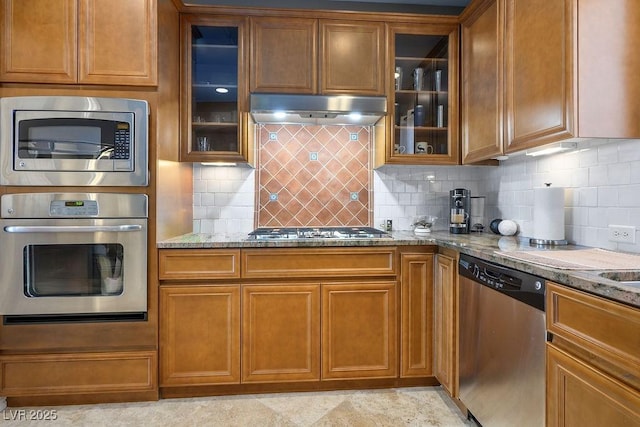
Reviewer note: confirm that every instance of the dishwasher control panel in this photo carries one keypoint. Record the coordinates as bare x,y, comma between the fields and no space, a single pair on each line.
525,287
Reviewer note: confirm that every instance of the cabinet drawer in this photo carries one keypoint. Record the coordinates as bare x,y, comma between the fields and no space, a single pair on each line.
318,262
199,264
605,328
25,375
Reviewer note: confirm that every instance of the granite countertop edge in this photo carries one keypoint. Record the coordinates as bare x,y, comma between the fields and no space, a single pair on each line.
485,246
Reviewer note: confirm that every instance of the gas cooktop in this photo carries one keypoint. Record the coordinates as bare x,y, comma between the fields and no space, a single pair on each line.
318,233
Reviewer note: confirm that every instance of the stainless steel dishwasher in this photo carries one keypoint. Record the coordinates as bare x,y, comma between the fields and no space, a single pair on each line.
502,343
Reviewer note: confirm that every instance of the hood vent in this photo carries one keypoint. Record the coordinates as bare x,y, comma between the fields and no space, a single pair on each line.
317,109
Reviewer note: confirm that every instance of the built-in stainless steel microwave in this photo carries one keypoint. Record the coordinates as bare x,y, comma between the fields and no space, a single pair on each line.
73,141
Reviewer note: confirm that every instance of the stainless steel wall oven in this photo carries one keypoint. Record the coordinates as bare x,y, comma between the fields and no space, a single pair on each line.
73,140
73,253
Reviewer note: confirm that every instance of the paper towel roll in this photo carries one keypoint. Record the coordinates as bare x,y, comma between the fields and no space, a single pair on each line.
548,213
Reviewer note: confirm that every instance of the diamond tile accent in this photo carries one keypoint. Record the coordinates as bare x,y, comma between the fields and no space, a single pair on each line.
321,174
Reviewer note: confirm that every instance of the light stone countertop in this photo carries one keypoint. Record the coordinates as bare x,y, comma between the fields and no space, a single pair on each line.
480,245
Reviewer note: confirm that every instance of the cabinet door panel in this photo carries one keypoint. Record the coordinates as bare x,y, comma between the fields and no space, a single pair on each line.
540,72
417,315
200,335
117,42
445,324
284,55
605,329
482,80
422,122
352,58
64,373
280,333
39,41
579,395
214,81
359,330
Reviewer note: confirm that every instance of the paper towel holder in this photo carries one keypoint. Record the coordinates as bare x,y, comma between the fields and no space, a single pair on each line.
546,242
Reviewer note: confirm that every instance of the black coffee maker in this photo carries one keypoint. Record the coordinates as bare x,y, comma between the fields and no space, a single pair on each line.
459,211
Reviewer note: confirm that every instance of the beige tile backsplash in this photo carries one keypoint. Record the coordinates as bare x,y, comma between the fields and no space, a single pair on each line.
313,176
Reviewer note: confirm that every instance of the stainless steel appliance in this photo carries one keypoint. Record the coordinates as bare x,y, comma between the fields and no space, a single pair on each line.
502,343
317,109
72,141
460,206
318,233
73,253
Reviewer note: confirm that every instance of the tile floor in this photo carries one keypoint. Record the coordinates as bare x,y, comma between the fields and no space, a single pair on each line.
416,406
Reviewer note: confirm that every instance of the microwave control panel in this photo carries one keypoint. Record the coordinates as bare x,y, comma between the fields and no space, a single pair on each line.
122,142
74,208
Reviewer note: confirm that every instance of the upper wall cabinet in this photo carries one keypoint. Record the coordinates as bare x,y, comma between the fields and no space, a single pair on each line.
422,123
111,42
213,91
567,69
299,55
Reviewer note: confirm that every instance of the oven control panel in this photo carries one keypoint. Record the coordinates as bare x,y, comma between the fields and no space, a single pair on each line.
73,208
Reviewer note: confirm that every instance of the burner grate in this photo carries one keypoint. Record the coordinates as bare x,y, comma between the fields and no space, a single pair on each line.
318,233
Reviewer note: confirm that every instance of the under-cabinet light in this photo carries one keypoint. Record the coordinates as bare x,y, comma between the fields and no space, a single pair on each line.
355,116
222,90
552,149
218,164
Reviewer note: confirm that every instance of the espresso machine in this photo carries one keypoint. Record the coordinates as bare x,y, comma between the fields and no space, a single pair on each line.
460,205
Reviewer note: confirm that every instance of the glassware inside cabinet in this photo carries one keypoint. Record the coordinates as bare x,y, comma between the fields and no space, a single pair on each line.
214,88
421,94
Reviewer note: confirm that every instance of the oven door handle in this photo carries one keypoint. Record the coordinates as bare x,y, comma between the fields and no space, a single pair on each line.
71,228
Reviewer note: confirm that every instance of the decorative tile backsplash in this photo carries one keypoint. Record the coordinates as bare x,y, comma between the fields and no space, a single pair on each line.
602,181
313,176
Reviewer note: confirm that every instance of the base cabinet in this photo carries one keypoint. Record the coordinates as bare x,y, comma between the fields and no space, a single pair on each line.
89,373
416,320
593,360
579,395
199,335
359,330
280,333
445,355
260,319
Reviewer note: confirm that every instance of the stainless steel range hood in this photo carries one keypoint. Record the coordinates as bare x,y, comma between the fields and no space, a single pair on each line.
317,109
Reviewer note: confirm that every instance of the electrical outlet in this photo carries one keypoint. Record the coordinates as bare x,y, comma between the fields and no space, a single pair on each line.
622,233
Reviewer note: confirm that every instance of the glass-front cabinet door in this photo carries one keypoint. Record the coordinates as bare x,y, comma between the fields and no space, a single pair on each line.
214,91
423,117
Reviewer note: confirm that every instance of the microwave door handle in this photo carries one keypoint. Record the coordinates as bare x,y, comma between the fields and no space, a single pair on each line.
71,228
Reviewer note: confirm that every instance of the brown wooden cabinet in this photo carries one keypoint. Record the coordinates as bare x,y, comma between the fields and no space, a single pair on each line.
214,96
445,331
109,42
593,360
578,395
300,55
359,330
199,335
280,332
416,320
259,316
123,375
482,86
422,121
527,86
